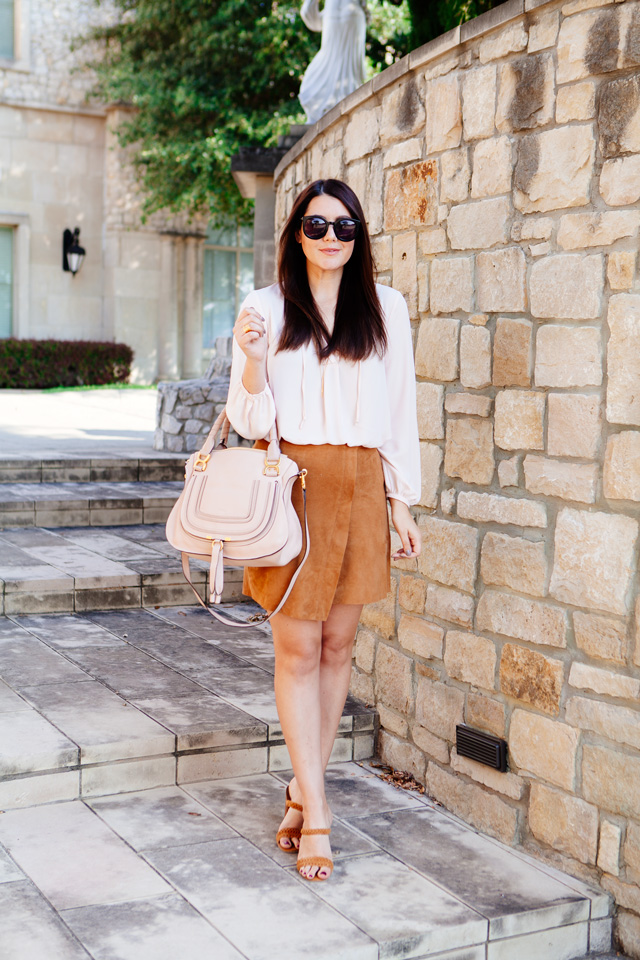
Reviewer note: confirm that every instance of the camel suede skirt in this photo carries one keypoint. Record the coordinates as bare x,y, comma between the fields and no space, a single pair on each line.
349,560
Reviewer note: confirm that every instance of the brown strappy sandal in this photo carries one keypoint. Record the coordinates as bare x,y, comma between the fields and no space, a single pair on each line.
319,862
292,833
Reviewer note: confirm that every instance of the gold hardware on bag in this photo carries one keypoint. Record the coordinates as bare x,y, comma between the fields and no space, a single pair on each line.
303,474
271,465
201,462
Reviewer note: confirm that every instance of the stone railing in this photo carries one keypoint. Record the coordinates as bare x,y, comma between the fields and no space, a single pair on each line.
499,168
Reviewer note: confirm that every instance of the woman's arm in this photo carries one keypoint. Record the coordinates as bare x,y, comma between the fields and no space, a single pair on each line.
250,404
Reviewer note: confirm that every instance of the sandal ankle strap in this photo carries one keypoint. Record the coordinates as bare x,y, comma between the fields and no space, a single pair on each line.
312,833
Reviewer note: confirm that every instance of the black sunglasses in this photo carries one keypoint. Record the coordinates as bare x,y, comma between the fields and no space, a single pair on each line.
345,228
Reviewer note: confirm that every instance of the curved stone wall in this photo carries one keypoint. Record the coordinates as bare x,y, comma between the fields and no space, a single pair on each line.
499,167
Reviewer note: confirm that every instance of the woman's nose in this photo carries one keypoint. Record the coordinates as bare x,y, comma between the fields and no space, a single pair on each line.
330,232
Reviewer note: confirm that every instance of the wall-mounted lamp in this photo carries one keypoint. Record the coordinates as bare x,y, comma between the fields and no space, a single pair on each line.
72,252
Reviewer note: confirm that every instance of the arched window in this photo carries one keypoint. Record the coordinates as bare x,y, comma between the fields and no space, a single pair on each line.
228,278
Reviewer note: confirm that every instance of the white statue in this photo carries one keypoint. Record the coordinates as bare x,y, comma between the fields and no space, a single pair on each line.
338,67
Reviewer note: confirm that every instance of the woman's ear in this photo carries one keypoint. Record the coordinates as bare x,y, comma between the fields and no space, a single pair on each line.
298,236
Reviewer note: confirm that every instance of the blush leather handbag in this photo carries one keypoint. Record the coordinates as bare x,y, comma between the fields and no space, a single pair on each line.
236,507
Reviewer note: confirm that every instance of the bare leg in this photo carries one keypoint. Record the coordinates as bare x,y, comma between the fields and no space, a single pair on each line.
313,664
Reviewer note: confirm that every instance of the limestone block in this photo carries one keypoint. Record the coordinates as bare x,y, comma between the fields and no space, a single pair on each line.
195,426
444,118
519,416
403,152
603,681
362,133
623,359
625,894
620,181
448,501
382,248
472,404
636,653
539,249
492,167
431,745
423,286
566,823
512,353
555,478
609,847
514,562
568,356
473,803
432,241
567,286
412,593
439,707
365,650
554,169
478,319
469,450
478,102
543,31
522,619
402,111
479,225
490,508
507,783
576,102
454,175
475,357
621,269
449,553
500,280
509,472
632,849
620,724
578,55
622,466
452,284
574,425
544,747
593,559
401,755
578,230
170,424
533,228
361,686
450,605
430,463
392,722
485,713
421,637
619,116
611,780
600,637
470,658
504,41
526,93
376,187
437,348
404,269
429,403
410,196
393,678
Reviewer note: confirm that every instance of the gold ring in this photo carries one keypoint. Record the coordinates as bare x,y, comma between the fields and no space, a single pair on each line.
246,329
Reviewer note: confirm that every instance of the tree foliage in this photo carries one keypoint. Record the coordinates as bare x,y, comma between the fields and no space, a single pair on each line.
208,76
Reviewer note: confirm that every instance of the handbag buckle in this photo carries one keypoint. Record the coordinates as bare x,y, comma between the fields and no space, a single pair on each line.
201,462
271,468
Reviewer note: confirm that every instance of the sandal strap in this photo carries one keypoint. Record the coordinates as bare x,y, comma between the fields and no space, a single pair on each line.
292,833
290,805
314,862
314,833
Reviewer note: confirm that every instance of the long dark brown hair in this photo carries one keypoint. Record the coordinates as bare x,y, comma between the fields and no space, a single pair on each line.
359,327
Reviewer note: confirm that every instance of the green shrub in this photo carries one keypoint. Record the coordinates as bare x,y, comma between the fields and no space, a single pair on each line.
38,364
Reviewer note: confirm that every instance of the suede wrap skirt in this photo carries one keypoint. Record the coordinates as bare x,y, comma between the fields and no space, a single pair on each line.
349,560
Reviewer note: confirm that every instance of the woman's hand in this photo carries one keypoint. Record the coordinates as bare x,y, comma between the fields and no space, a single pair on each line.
407,530
250,333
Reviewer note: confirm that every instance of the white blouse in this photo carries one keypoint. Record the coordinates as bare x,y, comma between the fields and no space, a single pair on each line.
368,403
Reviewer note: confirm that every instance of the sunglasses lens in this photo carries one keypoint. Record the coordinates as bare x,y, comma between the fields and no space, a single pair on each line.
346,229
314,227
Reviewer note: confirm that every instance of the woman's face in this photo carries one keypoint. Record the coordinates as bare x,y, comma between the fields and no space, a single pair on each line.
329,253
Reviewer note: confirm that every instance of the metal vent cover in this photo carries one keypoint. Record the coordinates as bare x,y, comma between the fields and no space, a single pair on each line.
481,747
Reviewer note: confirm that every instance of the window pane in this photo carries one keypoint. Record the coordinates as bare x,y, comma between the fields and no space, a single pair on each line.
6,28
245,284
6,281
220,236
246,236
219,295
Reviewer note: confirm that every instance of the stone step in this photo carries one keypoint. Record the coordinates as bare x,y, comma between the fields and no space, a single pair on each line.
86,504
97,568
127,700
192,871
126,469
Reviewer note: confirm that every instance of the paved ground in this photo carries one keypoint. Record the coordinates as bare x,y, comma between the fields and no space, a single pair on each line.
77,423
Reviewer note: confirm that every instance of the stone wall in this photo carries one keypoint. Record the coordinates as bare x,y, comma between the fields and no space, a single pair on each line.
499,167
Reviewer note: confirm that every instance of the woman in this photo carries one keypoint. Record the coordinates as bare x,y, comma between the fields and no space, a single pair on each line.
331,351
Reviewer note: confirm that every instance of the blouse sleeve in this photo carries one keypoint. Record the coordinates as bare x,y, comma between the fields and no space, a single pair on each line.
401,453
251,414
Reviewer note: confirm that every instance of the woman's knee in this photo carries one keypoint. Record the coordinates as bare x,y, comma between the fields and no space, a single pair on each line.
337,646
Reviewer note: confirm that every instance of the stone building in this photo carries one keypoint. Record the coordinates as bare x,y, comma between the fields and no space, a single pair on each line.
168,288
499,167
